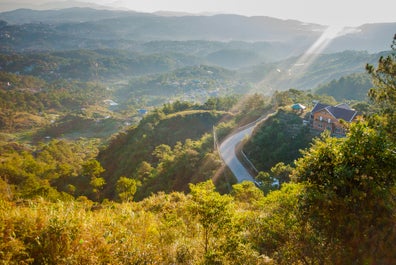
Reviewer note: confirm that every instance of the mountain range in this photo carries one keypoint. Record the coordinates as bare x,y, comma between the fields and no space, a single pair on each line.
116,25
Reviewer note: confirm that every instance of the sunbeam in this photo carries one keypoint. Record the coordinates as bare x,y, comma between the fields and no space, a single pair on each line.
328,35
282,75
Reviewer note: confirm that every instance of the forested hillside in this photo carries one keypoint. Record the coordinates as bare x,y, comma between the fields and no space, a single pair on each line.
164,152
110,124
351,87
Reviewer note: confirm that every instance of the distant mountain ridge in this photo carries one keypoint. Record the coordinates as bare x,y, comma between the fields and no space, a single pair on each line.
8,5
87,23
147,26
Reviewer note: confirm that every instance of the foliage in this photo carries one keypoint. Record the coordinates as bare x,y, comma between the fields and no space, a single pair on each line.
291,96
250,108
212,210
247,192
281,137
164,228
277,231
222,232
21,94
281,172
349,197
351,87
191,162
54,167
126,188
384,92
156,142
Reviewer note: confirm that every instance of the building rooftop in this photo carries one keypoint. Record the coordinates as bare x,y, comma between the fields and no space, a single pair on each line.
341,111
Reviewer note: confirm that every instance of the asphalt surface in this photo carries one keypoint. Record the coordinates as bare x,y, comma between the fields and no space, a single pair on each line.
227,152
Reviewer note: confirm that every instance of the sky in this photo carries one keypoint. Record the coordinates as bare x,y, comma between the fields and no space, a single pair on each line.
325,12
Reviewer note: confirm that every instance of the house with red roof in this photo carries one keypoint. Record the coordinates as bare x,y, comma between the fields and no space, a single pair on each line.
327,117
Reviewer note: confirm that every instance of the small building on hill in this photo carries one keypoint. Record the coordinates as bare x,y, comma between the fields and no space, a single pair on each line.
327,117
298,107
142,112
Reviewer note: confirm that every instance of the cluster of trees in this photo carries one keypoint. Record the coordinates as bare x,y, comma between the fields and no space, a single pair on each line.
90,65
351,87
203,227
19,93
56,170
171,147
278,140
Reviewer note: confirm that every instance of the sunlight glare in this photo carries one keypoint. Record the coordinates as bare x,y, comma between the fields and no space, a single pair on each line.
330,33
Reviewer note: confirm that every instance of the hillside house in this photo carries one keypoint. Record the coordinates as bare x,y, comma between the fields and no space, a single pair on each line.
326,117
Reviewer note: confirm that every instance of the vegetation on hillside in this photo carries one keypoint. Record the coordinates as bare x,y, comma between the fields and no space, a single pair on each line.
173,146
280,139
20,94
351,87
282,136
158,193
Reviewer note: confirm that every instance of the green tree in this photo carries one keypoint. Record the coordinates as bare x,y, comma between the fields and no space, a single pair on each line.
247,192
349,197
214,213
276,230
144,171
384,92
267,182
92,169
281,172
97,185
126,188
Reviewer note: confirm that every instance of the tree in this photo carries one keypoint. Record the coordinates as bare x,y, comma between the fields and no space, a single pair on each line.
97,185
384,92
247,192
144,171
281,172
276,231
93,169
126,188
349,196
163,152
213,212
268,183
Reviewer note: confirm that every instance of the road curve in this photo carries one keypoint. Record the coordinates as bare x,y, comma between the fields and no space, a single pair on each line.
227,151
228,154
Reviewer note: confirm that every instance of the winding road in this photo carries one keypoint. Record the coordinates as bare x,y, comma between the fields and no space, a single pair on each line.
227,151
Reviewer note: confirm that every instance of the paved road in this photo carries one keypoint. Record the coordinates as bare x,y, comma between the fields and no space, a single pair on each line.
227,151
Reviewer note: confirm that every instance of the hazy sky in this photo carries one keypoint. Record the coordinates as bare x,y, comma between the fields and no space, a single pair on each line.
329,12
